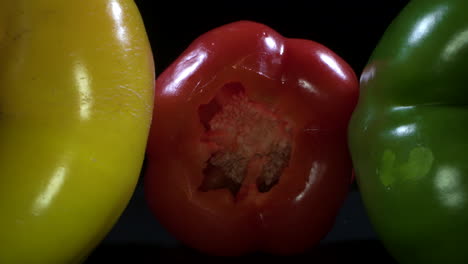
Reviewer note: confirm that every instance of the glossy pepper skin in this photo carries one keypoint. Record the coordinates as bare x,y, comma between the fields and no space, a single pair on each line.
301,83
76,99
408,135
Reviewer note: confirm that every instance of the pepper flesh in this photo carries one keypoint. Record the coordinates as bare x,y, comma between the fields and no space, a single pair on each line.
408,134
238,154
76,84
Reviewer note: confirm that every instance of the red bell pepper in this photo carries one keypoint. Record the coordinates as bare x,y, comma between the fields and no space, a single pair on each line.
248,147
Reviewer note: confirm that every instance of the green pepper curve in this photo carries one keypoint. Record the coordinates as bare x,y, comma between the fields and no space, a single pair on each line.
408,134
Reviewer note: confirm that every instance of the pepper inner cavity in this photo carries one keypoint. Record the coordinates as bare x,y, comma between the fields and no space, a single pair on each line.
251,143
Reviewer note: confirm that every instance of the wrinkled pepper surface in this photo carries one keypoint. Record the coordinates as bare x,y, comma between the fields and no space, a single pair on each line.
408,135
76,98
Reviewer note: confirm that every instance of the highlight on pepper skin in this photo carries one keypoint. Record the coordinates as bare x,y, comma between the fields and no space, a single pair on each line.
249,141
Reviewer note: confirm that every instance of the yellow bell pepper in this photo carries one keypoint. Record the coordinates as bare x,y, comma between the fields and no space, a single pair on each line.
76,97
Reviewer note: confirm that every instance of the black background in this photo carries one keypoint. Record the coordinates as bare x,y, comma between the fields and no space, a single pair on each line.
350,28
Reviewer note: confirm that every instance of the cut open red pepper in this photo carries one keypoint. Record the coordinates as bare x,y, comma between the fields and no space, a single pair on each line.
248,146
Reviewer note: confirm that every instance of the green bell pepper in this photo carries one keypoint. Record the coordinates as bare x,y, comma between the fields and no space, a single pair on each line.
408,134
